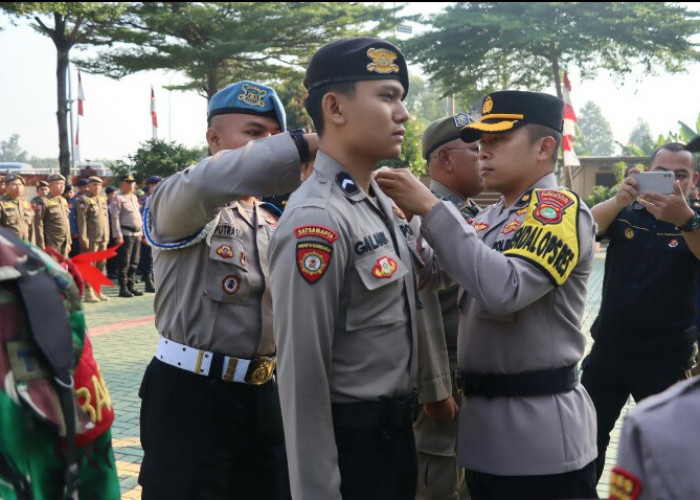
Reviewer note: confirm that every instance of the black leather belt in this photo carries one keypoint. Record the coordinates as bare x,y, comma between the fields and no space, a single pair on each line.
533,383
130,228
385,413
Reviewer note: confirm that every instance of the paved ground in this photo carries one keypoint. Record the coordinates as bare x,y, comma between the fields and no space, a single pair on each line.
124,340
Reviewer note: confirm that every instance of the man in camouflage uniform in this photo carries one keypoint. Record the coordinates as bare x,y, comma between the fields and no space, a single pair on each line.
93,228
52,225
16,214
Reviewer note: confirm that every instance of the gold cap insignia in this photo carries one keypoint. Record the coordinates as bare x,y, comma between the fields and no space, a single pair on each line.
382,61
488,105
629,233
252,96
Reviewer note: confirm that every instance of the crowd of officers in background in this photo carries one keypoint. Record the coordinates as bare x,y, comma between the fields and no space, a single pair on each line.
92,219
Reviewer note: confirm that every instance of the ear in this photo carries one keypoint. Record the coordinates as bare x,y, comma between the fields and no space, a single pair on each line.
444,159
547,148
333,106
213,137
696,177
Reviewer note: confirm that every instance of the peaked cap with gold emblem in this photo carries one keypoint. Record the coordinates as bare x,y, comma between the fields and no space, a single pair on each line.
508,110
249,98
356,59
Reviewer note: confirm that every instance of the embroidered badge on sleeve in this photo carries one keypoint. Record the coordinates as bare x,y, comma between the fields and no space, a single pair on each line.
313,259
623,485
549,235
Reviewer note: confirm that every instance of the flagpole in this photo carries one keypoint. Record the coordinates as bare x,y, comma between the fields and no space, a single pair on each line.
70,109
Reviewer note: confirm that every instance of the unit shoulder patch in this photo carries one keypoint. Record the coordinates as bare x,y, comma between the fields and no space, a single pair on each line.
313,259
318,231
548,236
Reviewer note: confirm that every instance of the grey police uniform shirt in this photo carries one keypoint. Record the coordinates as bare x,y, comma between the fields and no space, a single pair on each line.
126,216
514,319
214,296
344,294
659,448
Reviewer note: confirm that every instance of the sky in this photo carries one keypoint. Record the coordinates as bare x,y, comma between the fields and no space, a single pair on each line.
117,118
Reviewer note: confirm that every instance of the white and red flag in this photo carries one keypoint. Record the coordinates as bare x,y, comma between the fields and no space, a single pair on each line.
81,112
81,95
154,117
570,158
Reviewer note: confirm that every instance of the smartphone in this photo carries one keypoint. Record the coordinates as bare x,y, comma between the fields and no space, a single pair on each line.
655,182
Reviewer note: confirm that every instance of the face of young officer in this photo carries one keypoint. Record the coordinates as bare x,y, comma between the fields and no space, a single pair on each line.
235,130
374,119
94,188
42,191
14,189
57,187
681,164
509,163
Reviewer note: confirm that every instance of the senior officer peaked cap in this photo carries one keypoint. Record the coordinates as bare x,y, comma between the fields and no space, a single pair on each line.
507,110
356,59
249,98
443,131
127,178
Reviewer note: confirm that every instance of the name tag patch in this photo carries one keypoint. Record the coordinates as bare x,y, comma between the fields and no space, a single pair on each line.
313,259
371,242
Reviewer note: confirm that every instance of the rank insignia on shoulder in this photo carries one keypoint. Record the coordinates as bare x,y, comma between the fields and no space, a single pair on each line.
384,268
346,183
318,231
231,284
480,226
313,259
382,61
623,485
225,251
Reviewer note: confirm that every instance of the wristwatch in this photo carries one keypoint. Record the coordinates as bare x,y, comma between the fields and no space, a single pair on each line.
693,224
301,144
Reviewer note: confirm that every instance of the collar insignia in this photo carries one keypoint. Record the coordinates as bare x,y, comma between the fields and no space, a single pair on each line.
382,61
252,96
346,183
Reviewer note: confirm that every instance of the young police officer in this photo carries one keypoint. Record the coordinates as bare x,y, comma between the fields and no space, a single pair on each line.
527,427
210,418
343,288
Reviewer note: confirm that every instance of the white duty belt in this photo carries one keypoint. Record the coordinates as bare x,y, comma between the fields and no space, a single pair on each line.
246,371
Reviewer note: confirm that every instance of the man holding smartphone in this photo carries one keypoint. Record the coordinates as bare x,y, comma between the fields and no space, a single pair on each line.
645,337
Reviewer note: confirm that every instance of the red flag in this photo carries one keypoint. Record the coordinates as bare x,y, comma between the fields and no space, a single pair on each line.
569,116
154,118
81,96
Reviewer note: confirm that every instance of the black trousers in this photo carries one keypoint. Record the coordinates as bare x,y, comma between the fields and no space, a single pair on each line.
610,379
145,260
579,485
208,439
128,257
376,463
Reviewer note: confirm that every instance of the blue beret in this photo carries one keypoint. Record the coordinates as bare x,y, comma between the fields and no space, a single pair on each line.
110,189
154,179
82,182
248,98
356,59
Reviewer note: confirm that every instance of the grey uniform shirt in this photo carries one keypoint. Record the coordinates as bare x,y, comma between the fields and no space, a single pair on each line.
126,216
513,319
344,293
215,296
658,452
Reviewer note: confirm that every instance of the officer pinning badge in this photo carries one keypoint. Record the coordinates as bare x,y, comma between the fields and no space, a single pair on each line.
252,95
313,259
673,243
629,233
462,120
346,183
384,268
225,251
382,61
623,485
318,231
231,284
487,106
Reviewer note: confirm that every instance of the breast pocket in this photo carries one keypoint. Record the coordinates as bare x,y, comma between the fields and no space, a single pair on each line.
11,217
377,295
226,272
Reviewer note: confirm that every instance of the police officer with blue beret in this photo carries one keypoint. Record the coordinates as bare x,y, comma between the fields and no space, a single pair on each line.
210,417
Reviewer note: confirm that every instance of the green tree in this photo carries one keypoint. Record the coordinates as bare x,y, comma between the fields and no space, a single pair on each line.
10,150
596,138
640,142
68,24
216,43
158,157
496,45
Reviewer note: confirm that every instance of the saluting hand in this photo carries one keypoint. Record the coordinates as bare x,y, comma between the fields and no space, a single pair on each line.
672,208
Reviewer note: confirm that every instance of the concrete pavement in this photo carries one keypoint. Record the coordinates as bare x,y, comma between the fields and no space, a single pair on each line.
124,341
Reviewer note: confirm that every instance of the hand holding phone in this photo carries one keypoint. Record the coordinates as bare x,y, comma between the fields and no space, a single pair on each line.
655,182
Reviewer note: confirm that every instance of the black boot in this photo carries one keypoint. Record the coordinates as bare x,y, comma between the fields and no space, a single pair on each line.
148,280
123,291
134,291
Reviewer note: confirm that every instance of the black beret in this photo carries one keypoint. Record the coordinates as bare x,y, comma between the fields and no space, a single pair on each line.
508,110
356,59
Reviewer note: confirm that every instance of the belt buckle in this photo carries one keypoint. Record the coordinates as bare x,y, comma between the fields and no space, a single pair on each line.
260,371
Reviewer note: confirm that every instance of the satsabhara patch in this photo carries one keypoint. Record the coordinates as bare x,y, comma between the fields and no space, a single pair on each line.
624,485
384,268
225,251
320,231
550,206
313,259
231,284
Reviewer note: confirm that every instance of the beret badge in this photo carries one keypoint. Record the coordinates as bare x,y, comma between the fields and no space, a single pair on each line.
382,61
252,96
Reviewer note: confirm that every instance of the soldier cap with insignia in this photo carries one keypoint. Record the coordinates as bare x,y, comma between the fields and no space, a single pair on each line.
154,179
694,145
14,177
508,110
42,184
248,98
127,178
443,131
55,177
81,182
356,59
